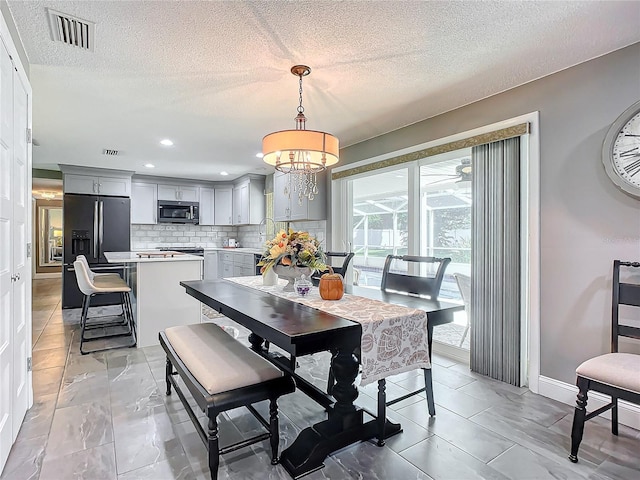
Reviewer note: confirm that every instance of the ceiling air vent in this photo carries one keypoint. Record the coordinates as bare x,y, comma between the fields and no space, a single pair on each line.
106,151
71,30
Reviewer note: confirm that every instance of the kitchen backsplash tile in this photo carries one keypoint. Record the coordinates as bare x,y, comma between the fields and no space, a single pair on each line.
153,236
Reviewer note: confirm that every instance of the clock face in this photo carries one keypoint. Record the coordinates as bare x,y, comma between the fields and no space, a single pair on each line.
621,151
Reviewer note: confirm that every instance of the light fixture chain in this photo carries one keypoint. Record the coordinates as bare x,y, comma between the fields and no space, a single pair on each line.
300,107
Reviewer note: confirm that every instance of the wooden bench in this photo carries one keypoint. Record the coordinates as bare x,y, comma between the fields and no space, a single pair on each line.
222,374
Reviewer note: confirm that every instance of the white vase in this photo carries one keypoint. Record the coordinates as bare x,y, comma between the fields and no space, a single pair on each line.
290,273
269,278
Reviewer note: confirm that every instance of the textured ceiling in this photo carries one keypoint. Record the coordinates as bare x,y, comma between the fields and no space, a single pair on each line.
214,76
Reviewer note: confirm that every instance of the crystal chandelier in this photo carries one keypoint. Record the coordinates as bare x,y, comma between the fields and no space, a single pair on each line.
301,152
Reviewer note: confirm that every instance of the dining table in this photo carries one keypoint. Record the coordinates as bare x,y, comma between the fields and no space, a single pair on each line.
298,330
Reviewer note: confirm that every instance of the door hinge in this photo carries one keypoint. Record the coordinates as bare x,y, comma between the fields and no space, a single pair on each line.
29,135
29,250
29,364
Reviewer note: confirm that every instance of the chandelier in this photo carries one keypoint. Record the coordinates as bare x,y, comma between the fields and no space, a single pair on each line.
301,152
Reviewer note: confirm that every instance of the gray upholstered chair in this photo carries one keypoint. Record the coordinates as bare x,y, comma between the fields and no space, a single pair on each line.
614,374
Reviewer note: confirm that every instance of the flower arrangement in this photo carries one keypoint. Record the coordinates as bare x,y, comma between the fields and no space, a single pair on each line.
293,249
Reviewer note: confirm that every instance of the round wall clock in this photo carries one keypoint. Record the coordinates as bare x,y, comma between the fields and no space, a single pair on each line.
621,151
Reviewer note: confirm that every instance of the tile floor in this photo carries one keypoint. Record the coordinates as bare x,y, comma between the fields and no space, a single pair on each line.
105,416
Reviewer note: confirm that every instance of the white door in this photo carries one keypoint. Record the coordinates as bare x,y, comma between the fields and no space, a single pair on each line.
189,194
21,295
6,251
168,192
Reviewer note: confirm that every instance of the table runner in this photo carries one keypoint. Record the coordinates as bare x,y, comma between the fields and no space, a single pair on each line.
394,338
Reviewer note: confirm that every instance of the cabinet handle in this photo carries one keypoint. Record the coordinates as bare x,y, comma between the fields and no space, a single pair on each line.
99,187
94,187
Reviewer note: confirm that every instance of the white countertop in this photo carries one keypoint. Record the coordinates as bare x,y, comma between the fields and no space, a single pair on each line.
132,257
255,251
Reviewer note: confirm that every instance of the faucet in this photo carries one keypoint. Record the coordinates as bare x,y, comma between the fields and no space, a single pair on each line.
263,236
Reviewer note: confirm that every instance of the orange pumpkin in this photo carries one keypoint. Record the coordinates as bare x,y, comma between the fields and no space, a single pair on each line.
331,286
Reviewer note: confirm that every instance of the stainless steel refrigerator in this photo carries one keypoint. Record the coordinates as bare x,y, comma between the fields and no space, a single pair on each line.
93,225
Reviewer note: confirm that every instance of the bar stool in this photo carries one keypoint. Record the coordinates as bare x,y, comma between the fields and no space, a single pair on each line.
108,280
103,284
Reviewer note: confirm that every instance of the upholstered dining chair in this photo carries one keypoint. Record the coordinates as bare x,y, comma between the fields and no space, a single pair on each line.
464,285
416,280
614,374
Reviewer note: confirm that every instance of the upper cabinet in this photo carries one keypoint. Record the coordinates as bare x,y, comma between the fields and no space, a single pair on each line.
144,203
207,204
178,192
248,200
223,205
287,206
115,186
96,181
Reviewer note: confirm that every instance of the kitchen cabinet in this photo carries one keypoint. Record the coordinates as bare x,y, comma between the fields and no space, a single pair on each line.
207,203
237,264
286,205
223,205
248,200
178,192
144,203
102,185
211,265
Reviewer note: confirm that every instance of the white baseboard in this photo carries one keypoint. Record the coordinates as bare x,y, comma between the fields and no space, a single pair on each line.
628,413
449,351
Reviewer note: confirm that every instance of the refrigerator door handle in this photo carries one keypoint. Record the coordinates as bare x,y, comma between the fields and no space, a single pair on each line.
101,226
96,255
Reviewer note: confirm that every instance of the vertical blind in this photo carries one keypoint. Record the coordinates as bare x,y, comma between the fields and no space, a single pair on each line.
495,264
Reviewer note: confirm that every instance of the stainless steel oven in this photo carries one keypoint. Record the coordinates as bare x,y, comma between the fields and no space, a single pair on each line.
178,212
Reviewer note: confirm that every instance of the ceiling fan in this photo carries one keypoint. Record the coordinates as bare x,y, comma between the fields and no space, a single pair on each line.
463,173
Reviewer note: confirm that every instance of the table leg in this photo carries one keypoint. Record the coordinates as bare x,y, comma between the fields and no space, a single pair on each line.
344,426
256,342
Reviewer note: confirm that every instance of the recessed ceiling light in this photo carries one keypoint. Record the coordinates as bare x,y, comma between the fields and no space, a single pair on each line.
166,142
260,155
149,165
224,174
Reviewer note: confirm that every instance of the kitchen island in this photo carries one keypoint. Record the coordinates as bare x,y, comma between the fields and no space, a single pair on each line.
158,299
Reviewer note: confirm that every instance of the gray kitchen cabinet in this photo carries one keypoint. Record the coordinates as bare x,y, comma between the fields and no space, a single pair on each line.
97,185
211,265
236,264
178,193
248,200
207,206
144,203
286,204
223,205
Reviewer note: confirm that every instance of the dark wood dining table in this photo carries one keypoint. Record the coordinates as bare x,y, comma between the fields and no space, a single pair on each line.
301,330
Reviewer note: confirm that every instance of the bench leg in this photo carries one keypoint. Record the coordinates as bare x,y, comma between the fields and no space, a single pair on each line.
214,449
168,373
578,418
614,415
274,430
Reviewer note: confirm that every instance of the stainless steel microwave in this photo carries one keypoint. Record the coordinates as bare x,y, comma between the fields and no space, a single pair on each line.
178,212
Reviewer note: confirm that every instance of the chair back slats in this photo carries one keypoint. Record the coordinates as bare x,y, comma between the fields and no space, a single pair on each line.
414,284
629,294
345,264
623,294
629,331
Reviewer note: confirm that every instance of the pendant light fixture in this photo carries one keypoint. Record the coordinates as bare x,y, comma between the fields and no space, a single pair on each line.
301,152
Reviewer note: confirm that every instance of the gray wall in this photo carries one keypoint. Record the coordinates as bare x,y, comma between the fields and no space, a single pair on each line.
585,221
